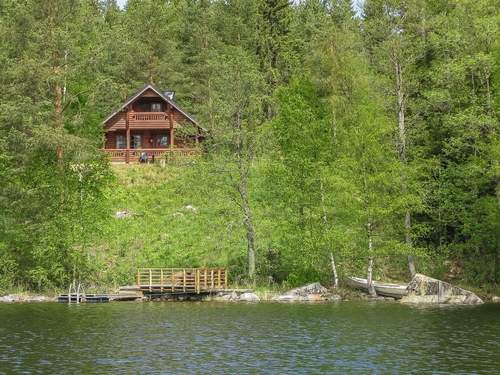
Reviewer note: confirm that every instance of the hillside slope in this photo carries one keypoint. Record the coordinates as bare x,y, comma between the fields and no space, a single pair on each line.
172,218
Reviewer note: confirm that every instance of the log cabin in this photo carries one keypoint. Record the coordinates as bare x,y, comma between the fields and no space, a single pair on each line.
149,125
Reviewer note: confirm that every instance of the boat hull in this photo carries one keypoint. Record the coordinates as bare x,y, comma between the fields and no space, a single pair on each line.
383,289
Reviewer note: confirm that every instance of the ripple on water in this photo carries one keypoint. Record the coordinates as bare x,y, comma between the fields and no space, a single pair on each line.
258,338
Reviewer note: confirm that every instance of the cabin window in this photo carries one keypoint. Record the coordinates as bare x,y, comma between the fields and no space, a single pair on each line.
155,107
162,141
136,141
121,142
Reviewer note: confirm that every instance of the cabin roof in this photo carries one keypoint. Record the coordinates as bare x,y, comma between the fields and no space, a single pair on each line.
160,94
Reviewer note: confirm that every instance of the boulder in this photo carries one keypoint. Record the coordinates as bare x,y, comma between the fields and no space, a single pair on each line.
289,298
314,292
125,214
249,297
424,289
495,299
374,298
191,208
12,298
40,299
233,296
314,297
304,291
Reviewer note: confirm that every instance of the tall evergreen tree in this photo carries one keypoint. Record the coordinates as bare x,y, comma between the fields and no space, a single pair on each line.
273,43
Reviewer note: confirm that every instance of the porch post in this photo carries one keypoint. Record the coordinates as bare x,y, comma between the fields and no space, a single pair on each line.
171,121
127,127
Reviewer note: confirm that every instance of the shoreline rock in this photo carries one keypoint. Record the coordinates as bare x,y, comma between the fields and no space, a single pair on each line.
427,290
24,298
235,295
249,297
314,292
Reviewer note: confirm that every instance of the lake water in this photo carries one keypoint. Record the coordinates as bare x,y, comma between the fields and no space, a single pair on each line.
163,337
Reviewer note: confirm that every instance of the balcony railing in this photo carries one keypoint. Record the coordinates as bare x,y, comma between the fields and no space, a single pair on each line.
120,154
148,116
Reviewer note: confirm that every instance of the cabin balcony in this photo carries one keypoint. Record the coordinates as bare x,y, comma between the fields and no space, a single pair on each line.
133,155
149,120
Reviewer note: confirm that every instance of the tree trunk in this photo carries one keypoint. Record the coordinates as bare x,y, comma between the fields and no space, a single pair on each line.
371,288
325,223
496,266
369,277
69,293
334,270
411,261
496,269
58,105
78,293
402,153
243,161
248,223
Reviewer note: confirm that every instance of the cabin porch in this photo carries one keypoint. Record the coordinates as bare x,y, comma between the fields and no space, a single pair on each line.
132,155
127,147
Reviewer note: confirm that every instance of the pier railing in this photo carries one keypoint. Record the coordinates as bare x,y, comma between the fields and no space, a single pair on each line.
182,280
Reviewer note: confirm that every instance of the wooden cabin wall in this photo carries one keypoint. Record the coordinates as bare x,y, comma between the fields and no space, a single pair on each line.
178,117
146,136
118,121
110,141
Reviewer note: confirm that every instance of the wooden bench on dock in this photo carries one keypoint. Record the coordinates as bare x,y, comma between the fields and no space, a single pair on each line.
181,280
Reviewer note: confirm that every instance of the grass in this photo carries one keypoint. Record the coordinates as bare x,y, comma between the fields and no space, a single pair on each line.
180,216
175,219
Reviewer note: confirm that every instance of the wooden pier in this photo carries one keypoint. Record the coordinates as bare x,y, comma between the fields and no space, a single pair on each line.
163,284
181,280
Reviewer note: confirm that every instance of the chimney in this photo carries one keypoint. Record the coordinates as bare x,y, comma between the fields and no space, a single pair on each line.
169,94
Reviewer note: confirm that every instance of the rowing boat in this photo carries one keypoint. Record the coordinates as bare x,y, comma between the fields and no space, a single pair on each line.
384,289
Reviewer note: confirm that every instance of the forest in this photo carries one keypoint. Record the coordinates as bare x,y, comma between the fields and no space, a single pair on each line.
364,131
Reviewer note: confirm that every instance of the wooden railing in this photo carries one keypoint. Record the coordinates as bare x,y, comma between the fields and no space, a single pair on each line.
148,116
116,153
119,154
181,280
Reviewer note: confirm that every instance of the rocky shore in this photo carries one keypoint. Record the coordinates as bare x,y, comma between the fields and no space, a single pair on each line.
424,290
421,290
313,292
18,298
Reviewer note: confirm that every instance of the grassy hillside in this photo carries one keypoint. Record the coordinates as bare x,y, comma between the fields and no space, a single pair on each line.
184,216
174,219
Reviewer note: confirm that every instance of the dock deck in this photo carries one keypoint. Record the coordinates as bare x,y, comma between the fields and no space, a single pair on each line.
181,280
162,283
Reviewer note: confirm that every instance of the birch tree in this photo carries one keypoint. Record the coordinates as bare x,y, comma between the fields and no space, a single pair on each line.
396,34
240,113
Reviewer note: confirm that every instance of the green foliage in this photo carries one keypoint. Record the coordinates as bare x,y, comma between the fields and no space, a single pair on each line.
178,219
304,151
